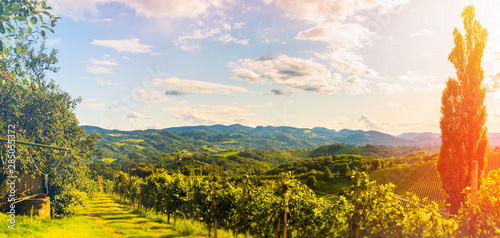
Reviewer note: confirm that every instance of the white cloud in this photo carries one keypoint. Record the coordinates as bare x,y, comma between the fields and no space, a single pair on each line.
339,35
153,96
76,9
228,38
52,42
370,124
195,86
306,75
196,35
188,40
130,45
174,9
421,32
96,106
346,61
238,25
324,10
192,47
200,114
136,115
98,70
102,82
102,62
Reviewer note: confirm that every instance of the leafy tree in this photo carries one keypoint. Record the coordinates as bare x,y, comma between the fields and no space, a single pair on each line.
186,170
344,170
375,164
311,181
327,174
22,16
41,111
463,129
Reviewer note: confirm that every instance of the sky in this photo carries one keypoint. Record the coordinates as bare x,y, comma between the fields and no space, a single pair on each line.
340,64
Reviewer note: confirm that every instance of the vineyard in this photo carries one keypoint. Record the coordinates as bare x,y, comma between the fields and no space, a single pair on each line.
283,208
423,180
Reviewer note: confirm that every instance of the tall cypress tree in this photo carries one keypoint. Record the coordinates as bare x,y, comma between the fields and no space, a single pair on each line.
463,129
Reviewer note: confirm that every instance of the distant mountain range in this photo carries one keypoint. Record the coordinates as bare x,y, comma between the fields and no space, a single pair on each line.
316,136
217,138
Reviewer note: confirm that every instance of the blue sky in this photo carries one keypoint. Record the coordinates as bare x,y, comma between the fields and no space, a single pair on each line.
369,64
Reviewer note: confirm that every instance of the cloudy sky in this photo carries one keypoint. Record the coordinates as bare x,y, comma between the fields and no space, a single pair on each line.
367,64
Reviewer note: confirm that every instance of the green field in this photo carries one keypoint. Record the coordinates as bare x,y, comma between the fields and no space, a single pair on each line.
108,160
138,146
116,135
226,154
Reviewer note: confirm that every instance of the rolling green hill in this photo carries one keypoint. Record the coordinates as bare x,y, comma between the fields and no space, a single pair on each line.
135,146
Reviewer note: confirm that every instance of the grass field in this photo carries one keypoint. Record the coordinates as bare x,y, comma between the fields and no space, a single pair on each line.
116,135
108,160
226,154
104,217
140,147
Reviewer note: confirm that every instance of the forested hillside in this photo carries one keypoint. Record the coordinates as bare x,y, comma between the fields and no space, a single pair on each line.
132,146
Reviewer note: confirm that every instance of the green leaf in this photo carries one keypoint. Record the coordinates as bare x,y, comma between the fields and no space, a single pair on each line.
1,45
15,7
18,49
27,82
42,32
2,29
19,18
30,30
34,20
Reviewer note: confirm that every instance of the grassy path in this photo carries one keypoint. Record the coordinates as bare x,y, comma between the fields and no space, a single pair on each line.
102,217
118,221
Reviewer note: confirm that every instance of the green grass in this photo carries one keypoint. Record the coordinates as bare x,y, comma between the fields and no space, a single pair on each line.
116,135
213,150
140,147
307,131
119,143
226,154
27,227
104,217
136,140
301,154
108,160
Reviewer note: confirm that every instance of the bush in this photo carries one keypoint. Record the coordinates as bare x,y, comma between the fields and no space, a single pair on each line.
64,200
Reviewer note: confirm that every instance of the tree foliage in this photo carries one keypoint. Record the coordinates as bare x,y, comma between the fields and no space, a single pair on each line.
41,111
463,130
